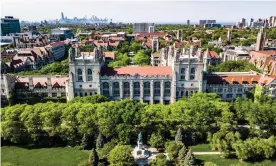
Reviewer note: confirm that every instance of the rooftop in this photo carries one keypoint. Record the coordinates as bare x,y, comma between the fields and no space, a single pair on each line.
140,70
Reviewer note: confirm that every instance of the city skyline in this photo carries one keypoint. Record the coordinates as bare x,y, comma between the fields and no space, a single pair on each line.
137,11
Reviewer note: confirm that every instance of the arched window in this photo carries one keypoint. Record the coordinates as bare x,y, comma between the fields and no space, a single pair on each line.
156,89
146,89
167,90
182,74
177,93
89,75
136,89
106,89
116,89
126,89
192,74
80,75
187,93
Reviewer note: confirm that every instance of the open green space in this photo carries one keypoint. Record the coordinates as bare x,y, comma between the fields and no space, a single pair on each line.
219,161
65,156
201,148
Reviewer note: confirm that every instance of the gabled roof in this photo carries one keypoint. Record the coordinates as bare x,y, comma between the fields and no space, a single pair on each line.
211,54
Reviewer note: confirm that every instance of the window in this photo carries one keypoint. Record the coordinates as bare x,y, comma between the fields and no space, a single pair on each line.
91,93
63,94
126,89
106,89
230,90
187,93
157,89
192,74
136,89
80,75
167,91
80,86
166,102
90,85
219,89
44,94
89,75
229,96
54,94
85,94
238,95
116,89
239,89
80,94
182,72
146,89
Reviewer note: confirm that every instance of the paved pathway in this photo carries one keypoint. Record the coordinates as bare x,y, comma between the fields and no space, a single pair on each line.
206,153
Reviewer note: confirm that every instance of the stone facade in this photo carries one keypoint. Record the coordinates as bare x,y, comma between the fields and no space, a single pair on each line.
180,74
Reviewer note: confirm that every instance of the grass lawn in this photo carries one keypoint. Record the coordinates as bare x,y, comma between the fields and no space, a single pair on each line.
201,148
61,156
231,162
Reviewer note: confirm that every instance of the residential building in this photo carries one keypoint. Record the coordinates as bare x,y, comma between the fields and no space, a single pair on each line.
243,21
26,88
212,25
202,22
56,50
144,27
63,33
188,22
9,25
260,40
212,57
238,53
24,40
251,22
230,85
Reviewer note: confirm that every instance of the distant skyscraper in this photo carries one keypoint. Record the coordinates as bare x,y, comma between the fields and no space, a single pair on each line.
251,22
229,35
260,40
243,21
202,22
188,22
9,25
62,16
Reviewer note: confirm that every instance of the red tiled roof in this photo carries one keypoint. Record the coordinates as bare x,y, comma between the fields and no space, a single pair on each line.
56,44
133,70
156,54
40,81
211,54
109,55
187,43
238,79
256,54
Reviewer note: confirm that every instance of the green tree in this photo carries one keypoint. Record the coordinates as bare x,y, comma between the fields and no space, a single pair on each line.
172,148
93,158
179,135
160,160
156,140
99,141
181,155
141,58
121,156
189,159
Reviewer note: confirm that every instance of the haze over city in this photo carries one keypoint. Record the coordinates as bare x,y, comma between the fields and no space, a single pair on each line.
138,11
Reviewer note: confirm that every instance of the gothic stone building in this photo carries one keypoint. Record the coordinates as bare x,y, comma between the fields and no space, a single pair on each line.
180,74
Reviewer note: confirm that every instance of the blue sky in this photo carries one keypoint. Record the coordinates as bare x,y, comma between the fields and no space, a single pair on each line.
139,11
